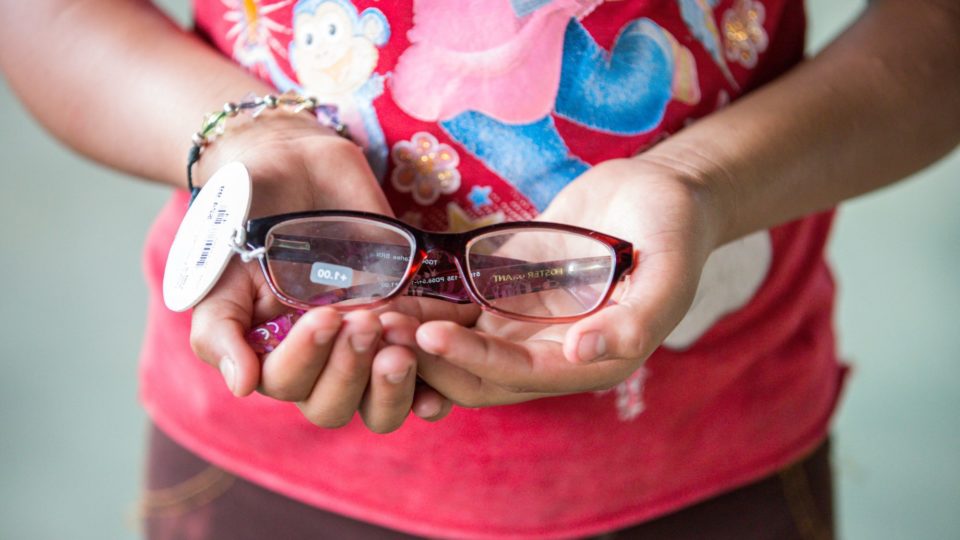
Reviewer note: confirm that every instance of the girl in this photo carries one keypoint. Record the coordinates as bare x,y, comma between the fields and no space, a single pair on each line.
473,113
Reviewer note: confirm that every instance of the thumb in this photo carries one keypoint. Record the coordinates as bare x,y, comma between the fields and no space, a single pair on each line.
217,335
658,295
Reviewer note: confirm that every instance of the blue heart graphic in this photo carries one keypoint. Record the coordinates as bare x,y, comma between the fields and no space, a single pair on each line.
624,92
531,156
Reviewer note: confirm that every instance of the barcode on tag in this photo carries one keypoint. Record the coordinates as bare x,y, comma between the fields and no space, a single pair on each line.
205,253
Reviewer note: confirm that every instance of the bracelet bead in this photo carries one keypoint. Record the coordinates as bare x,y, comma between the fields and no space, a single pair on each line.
214,123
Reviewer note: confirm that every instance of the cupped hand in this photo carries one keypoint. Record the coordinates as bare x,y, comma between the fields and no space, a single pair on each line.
672,221
331,365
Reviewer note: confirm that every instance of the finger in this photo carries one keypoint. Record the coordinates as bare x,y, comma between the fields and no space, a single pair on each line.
448,381
533,366
430,309
267,306
399,329
290,372
658,295
389,395
442,383
429,405
218,328
340,387
460,387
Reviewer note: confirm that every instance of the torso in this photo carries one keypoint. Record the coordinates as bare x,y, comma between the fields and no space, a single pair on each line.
479,112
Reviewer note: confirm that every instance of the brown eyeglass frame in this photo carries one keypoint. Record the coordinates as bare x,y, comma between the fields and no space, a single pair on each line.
454,246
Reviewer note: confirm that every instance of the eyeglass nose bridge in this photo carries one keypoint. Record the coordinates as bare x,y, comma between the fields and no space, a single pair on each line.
449,243
440,277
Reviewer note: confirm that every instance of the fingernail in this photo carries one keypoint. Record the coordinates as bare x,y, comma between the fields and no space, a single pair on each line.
592,346
229,371
428,341
362,342
428,409
324,335
397,377
396,336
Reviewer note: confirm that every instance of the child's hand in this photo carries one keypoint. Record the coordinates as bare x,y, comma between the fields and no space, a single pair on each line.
330,365
671,221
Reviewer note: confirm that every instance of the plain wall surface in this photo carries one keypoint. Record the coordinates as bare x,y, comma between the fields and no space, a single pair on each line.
73,305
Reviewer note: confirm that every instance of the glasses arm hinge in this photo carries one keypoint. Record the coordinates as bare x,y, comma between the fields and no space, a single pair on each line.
238,243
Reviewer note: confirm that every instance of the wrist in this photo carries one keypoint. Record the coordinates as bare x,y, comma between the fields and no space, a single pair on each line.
711,186
291,104
296,163
280,134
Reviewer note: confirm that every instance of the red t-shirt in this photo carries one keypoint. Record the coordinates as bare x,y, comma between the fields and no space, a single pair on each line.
507,101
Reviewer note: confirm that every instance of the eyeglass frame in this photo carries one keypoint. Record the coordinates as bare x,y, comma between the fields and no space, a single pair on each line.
250,242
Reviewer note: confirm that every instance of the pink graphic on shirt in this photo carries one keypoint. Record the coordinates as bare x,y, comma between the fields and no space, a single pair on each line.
425,168
480,56
629,395
744,36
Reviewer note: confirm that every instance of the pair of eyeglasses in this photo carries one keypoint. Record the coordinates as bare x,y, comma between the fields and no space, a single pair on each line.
532,271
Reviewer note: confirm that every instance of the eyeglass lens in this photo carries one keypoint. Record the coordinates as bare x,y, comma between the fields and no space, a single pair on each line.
321,261
541,272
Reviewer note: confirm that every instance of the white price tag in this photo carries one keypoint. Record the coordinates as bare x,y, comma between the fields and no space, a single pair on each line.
202,247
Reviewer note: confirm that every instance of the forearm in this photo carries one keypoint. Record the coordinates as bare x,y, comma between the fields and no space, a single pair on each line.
878,104
116,80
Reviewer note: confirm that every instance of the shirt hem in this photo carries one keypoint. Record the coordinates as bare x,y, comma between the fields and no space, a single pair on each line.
637,514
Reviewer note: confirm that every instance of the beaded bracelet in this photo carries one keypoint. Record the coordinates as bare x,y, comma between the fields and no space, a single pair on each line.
214,123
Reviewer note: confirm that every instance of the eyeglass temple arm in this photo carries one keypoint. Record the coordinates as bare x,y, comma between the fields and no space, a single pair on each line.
502,288
399,255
